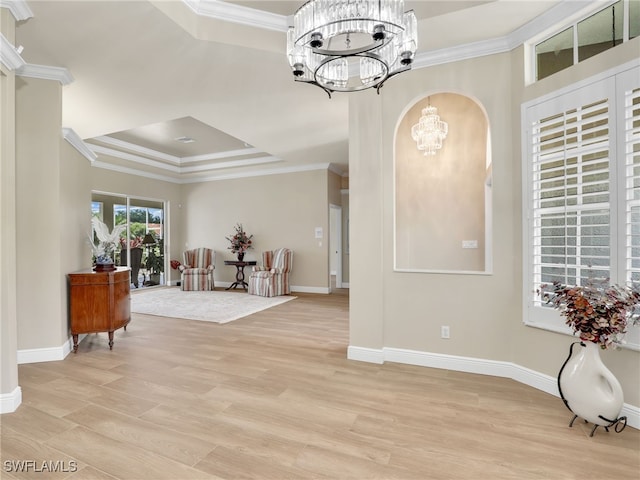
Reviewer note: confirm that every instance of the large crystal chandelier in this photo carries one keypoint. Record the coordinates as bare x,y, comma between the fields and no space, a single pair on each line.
430,131
350,45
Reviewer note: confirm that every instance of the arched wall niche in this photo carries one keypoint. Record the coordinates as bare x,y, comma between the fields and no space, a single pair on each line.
442,211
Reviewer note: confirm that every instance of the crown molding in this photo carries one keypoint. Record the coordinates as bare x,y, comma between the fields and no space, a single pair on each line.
133,171
218,155
9,56
98,149
18,8
74,139
178,161
257,18
45,72
549,19
543,22
239,14
210,178
173,168
140,150
260,173
462,52
247,162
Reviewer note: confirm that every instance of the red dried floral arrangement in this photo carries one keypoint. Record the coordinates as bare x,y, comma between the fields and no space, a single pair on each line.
600,314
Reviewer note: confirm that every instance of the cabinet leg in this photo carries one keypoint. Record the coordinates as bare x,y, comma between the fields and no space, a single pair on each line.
111,340
75,343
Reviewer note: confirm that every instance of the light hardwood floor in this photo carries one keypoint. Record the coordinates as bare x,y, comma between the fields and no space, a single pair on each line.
272,396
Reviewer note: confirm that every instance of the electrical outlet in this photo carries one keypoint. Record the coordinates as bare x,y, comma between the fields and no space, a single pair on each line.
444,331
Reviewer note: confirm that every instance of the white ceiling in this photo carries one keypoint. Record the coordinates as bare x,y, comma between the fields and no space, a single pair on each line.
147,72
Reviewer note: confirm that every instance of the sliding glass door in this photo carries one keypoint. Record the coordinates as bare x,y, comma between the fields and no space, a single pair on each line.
142,243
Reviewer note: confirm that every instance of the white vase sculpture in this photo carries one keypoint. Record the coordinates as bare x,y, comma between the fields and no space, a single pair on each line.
589,389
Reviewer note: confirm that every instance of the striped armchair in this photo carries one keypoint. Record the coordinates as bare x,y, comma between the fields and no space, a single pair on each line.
272,278
197,269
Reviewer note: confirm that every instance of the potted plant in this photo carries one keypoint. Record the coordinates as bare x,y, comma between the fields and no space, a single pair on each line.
600,314
155,262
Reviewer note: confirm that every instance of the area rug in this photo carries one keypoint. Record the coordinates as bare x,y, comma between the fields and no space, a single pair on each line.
216,306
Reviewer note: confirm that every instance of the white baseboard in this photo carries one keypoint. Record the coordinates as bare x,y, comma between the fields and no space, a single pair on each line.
49,354
370,355
633,415
526,376
9,402
295,288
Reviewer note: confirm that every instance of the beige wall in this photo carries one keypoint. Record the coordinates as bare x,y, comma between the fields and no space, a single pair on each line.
8,291
75,253
415,305
278,210
366,240
52,195
387,308
406,310
439,199
527,341
64,181
39,214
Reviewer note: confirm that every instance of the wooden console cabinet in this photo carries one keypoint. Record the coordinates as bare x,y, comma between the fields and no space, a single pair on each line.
99,302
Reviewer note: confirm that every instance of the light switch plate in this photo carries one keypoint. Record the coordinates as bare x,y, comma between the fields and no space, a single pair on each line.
469,244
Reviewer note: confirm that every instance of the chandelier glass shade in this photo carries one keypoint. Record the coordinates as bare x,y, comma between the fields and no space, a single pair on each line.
351,45
430,131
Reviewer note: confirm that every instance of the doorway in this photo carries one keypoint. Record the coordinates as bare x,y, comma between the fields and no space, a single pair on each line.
142,244
335,247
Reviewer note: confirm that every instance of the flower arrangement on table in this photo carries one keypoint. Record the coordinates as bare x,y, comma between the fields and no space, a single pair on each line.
600,313
103,249
240,241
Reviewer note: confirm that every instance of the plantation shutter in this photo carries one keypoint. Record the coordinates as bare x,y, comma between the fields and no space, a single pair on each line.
571,172
581,173
632,193
629,84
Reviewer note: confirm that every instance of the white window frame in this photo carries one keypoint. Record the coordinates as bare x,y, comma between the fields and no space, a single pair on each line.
572,21
613,84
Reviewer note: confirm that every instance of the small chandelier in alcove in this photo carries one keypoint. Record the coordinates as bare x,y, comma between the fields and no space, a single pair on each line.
430,131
